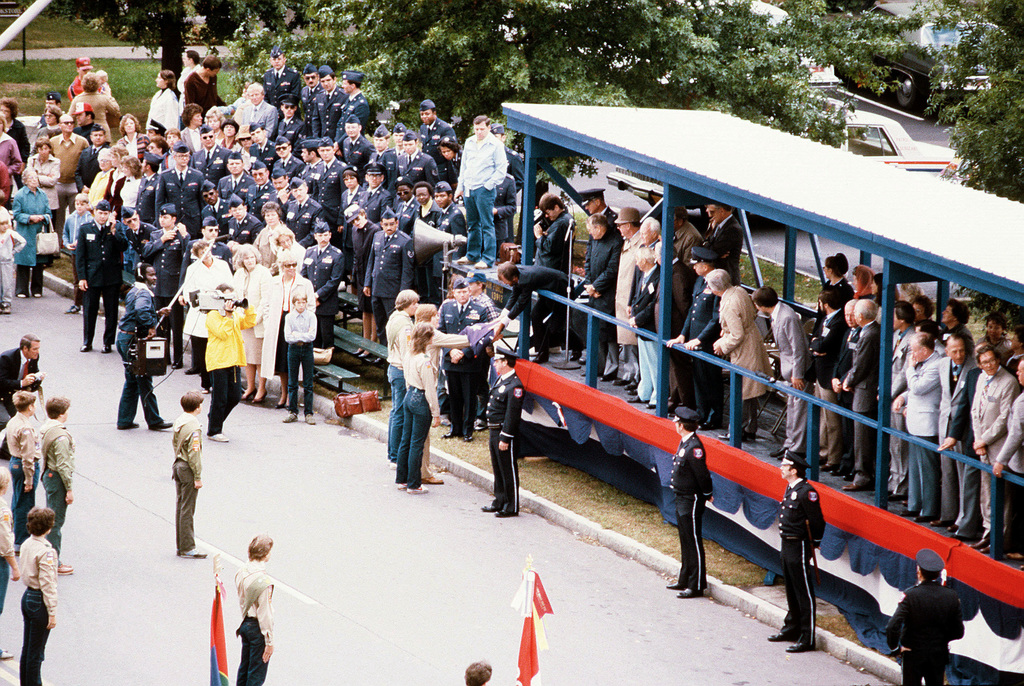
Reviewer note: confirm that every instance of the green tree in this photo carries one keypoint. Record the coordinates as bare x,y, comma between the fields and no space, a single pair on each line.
470,56
988,122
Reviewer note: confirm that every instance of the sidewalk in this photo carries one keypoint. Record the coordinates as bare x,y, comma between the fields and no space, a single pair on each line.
118,52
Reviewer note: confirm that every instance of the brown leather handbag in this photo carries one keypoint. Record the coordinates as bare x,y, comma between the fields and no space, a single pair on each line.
370,401
347,404
509,252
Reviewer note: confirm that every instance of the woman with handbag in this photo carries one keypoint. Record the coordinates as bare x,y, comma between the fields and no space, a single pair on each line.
278,302
206,273
252,282
421,408
31,210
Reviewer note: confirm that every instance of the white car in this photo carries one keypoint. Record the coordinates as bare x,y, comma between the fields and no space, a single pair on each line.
872,135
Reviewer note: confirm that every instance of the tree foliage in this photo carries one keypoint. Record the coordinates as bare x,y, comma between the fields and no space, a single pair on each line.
988,123
471,56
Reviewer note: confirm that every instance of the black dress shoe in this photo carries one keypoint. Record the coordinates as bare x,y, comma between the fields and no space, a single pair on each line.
800,648
191,371
983,543
126,427
106,349
898,498
86,348
606,377
540,358
634,399
749,436
620,382
709,427
908,513
450,434
489,508
631,387
505,513
780,637
468,439
176,365
920,519
779,453
690,593
676,587
161,426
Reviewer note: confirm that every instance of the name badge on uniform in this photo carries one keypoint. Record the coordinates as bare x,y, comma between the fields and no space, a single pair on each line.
308,260
650,288
90,236
793,496
327,260
501,389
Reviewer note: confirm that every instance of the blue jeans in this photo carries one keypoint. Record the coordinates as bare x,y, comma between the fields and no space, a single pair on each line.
56,500
21,500
482,244
252,670
300,355
5,576
414,435
33,645
648,370
396,422
135,387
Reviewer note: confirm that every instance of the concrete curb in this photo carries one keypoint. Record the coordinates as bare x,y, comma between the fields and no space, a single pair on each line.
762,610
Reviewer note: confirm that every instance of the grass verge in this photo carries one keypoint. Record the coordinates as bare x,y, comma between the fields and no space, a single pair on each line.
52,32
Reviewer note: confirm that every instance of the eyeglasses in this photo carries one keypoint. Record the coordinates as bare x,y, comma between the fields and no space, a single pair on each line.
206,135
67,123
280,147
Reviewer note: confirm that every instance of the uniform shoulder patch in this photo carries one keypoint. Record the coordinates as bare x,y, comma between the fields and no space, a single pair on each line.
698,453
49,558
812,496
518,392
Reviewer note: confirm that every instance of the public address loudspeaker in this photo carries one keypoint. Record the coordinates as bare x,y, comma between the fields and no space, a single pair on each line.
426,240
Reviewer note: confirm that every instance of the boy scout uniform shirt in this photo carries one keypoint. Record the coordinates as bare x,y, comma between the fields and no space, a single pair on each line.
254,576
6,530
38,564
690,474
23,442
188,443
58,451
800,506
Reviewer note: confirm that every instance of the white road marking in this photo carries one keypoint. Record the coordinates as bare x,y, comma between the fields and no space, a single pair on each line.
278,585
875,103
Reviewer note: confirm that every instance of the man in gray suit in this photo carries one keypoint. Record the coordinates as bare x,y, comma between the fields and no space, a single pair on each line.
960,490
794,361
921,403
1011,458
997,389
903,327
862,380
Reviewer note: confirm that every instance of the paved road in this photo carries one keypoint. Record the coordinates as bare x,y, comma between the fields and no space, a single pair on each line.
374,586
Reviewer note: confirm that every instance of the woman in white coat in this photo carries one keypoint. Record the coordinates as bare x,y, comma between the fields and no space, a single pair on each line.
204,274
275,306
163,108
252,281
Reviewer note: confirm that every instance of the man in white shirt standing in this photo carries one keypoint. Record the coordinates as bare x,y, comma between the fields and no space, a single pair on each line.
483,167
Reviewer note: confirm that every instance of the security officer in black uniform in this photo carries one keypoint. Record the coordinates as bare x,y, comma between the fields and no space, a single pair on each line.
461,366
926,620
355,102
328,105
98,258
801,527
307,96
516,164
165,251
432,130
389,270
182,186
280,78
504,412
700,330
691,482
302,213
261,191
323,266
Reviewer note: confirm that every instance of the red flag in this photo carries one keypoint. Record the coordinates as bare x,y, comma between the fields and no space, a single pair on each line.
533,603
218,648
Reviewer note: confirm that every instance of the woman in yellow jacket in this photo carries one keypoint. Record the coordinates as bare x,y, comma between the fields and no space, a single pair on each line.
225,355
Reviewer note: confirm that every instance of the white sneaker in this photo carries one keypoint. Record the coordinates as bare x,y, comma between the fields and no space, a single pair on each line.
218,438
461,260
480,265
4,655
416,491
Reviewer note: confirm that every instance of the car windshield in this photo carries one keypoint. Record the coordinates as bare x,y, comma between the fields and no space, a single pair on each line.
935,37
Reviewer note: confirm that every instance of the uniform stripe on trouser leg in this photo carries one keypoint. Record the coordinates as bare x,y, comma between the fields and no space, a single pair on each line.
515,472
810,593
696,545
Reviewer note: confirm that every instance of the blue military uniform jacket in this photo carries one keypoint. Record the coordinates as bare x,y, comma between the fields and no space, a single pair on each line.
308,98
136,245
375,202
311,174
293,166
516,167
212,163
227,187
244,231
430,137
166,259
454,222
505,203
275,86
145,203
357,105
453,321
422,167
324,270
293,129
702,319
327,109
389,266
221,212
407,213
258,196
187,198
266,154
331,188
356,153
300,220
389,161
98,253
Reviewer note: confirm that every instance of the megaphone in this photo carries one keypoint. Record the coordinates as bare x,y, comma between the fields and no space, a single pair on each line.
426,240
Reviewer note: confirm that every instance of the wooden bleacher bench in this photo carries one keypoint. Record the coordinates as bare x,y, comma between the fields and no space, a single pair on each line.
349,306
351,342
332,376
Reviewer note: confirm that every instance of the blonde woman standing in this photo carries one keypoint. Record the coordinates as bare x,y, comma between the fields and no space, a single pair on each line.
278,302
252,281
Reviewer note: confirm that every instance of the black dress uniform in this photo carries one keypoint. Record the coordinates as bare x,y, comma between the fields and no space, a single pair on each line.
258,196
504,412
229,186
212,163
548,318
300,218
516,167
926,620
324,270
389,270
327,110
145,203
702,323
275,85
505,204
98,260
801,527
691,482
331,188
166,258
462,375
221,211
407,213
292,129
292,166
266,153
186,195
376,200
430,138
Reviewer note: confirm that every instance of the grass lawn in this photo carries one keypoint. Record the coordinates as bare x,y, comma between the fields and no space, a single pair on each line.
51,32
132,82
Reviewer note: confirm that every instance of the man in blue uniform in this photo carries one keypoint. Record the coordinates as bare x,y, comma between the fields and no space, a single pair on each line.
328,105
182,187
801,527
386,157
691,482
322,265
311,79
405,206
377,196
331,186
280,78
138,324
461,366
432,130
236,182
211,159
420,166
355,149
313,165
700,331
262,148
292,165
101,241
389,270
215,206
261,191
290,125
355,102
504,412
516,165
165,251
145,203
302,213
243,227
926,620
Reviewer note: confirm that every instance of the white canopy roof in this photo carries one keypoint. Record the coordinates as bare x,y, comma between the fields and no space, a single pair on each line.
942,229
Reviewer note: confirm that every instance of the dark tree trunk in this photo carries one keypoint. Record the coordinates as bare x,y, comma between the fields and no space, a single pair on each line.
172,44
